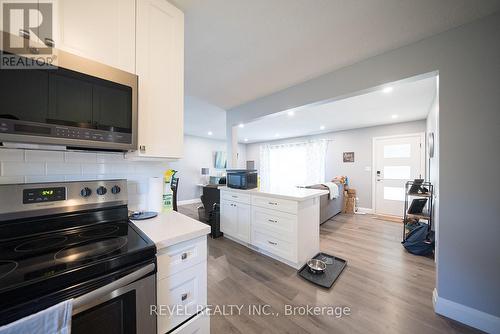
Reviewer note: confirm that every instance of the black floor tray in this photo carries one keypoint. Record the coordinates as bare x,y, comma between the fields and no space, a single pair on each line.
330,275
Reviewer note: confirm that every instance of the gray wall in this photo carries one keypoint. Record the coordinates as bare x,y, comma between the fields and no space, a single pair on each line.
358,141
198,153
468,61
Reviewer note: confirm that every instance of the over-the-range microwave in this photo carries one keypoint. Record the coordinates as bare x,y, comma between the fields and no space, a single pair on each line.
78,104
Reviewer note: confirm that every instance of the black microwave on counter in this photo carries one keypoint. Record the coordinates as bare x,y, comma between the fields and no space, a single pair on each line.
242,178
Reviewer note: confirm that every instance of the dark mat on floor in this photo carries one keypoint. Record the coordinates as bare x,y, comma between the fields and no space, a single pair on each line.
334,267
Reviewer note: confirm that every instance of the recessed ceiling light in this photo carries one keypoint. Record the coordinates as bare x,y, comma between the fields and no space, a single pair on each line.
246,139
241,125
322,127
388,89
210,133
291,113
394,116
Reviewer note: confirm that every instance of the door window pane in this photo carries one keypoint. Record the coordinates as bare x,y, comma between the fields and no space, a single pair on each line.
397,151
394,193
397,172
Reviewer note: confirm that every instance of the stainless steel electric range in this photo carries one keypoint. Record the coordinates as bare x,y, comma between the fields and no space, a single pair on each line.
73,240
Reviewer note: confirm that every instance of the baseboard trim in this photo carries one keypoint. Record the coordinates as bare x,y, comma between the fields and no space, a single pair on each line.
365,210
189,201
466,315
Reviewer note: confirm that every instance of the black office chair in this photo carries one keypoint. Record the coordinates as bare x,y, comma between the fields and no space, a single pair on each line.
209,212
174,184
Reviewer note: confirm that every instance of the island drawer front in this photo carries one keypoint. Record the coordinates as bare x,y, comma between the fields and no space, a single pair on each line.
274,245
186,292
236,197
181,256
198,325
276,221
275,204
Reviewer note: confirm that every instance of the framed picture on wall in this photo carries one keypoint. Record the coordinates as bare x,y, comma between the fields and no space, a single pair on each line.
348,156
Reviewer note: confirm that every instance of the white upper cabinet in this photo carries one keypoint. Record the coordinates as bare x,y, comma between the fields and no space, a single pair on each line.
160,67
101,30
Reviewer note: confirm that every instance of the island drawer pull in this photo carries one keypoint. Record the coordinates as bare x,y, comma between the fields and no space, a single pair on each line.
234,196
272,243
272,203
272,221
184,256
184,296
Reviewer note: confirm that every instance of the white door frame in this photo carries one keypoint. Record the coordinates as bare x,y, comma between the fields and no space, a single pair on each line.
422,160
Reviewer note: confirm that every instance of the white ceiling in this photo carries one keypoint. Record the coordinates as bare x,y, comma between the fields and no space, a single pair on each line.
409,100
239,50
201,117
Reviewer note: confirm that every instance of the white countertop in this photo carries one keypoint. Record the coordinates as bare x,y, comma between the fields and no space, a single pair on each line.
290,193
170,228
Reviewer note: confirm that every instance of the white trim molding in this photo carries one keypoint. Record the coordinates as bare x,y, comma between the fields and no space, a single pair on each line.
189,201
365,210
466,315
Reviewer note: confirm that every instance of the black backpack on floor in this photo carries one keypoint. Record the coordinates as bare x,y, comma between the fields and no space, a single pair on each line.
420,241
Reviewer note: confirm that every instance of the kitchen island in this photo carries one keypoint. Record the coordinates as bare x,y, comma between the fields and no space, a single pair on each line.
282,223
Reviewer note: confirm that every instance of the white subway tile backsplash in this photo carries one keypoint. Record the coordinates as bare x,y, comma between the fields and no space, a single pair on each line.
39,156
11,179
110,157
132,187
63,168
22,168
36,166
7,154
44,178
87,157
90,169
78,177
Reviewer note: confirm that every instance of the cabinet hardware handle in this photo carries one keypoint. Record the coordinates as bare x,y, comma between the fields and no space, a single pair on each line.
142,148
273,203
272,220
272,243
184,256
24,33
184,296
234,196
50,42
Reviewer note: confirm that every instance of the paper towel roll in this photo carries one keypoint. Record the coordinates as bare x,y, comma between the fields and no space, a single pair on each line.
155,194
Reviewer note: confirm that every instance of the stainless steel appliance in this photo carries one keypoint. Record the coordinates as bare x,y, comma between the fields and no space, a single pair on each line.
73,240
242,179
79,104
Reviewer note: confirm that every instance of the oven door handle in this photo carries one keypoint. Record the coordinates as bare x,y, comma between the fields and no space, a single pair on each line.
107,289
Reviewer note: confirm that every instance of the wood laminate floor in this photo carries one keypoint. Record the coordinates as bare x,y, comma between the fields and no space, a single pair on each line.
386,289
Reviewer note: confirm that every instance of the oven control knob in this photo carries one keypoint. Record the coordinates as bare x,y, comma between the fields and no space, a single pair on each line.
102,190
86,192
115,190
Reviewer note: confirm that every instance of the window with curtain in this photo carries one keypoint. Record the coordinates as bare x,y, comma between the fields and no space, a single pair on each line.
292,164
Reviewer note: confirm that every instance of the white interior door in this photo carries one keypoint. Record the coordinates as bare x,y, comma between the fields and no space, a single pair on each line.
397,160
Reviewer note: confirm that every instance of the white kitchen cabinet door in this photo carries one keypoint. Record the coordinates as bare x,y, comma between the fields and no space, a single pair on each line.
101,30
244,216
160,67
228,218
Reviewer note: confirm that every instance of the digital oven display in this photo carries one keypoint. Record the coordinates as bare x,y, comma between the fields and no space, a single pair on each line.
44,195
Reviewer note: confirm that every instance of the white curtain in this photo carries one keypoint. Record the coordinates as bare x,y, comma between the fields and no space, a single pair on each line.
292,164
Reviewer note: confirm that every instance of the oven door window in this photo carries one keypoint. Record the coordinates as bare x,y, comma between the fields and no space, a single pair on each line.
116,316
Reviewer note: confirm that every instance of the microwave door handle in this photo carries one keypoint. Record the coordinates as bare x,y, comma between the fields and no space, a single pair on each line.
119,283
